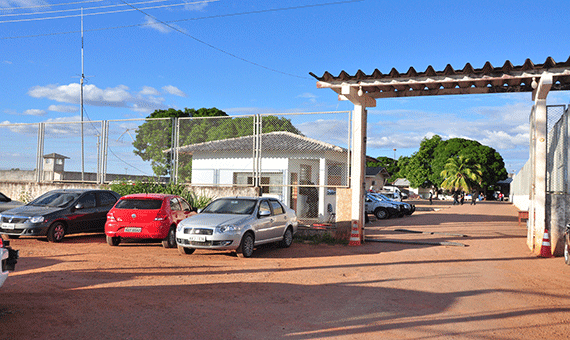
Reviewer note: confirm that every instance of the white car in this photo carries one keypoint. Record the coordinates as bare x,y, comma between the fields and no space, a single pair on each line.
9,258
237,223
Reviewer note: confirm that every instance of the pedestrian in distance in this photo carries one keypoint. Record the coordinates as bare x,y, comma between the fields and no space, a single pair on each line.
455,197
462,197
473,197
430,197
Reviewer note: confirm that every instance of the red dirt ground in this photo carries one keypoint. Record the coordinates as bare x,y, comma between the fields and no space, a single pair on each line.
490,288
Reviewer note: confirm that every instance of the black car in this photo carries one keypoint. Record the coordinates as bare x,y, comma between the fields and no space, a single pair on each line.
7,203
59,212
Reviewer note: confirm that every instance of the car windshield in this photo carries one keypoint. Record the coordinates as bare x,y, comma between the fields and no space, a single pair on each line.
56,199
143,204
382,197
231,206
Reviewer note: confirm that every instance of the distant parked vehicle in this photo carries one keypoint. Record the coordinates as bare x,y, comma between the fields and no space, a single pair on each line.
381,209
393,195
146,216
6,203
9,258
58,213
407,208
237,223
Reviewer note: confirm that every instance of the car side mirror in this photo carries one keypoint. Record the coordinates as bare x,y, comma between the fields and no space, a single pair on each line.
199,210
264,213
78,206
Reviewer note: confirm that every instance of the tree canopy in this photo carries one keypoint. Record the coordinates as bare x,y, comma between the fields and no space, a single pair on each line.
155,136
424,168
391,165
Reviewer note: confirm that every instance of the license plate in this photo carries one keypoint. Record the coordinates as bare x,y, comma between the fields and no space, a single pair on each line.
196,238
133,230
8,226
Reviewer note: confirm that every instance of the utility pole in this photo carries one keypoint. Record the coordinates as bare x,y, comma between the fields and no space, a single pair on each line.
82,78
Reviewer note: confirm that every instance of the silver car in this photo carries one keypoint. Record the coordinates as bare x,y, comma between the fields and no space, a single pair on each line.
237,223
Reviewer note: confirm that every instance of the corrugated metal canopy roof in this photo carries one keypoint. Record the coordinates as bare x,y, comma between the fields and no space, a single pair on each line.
468,80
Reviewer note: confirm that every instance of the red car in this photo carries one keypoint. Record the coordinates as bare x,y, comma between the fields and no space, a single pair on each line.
146,216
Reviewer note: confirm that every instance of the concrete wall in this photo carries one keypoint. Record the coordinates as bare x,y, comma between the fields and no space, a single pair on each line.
557,216
27,191
520,188
30,176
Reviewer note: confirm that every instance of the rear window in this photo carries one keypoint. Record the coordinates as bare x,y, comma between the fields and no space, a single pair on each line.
143,204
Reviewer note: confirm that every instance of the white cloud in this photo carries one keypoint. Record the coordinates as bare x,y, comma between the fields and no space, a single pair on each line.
92,95
174,91
63,108
311,97
197,5
145,101
34,112
150,22
149,91
13,4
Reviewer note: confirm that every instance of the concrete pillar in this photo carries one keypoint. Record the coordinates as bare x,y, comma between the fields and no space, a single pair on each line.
323,174
537,215
539,201
358,169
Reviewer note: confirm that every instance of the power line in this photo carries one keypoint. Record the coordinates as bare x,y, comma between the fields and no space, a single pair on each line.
72,9
105,12
214,47
188,19
48,5
168,24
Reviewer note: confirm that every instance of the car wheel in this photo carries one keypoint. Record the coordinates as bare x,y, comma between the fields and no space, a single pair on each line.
381,213
56,232
185,251
246,246
170,240
287,238
566,251
113,241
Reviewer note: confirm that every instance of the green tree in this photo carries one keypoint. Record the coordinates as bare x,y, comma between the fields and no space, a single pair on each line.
418,168
391,165
460,174
155,136
424,168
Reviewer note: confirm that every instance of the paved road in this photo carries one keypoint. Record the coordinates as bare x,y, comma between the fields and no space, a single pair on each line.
492,287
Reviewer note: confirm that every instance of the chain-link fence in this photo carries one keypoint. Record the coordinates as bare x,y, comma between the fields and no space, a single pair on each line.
299,158
557,168
557,151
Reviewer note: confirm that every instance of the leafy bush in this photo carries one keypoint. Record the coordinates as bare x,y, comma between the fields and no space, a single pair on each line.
126,188
326,238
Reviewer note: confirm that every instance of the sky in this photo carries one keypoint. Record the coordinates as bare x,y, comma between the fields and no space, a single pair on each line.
253,56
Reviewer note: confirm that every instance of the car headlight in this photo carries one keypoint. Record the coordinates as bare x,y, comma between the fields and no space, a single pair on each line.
227,229
37,219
